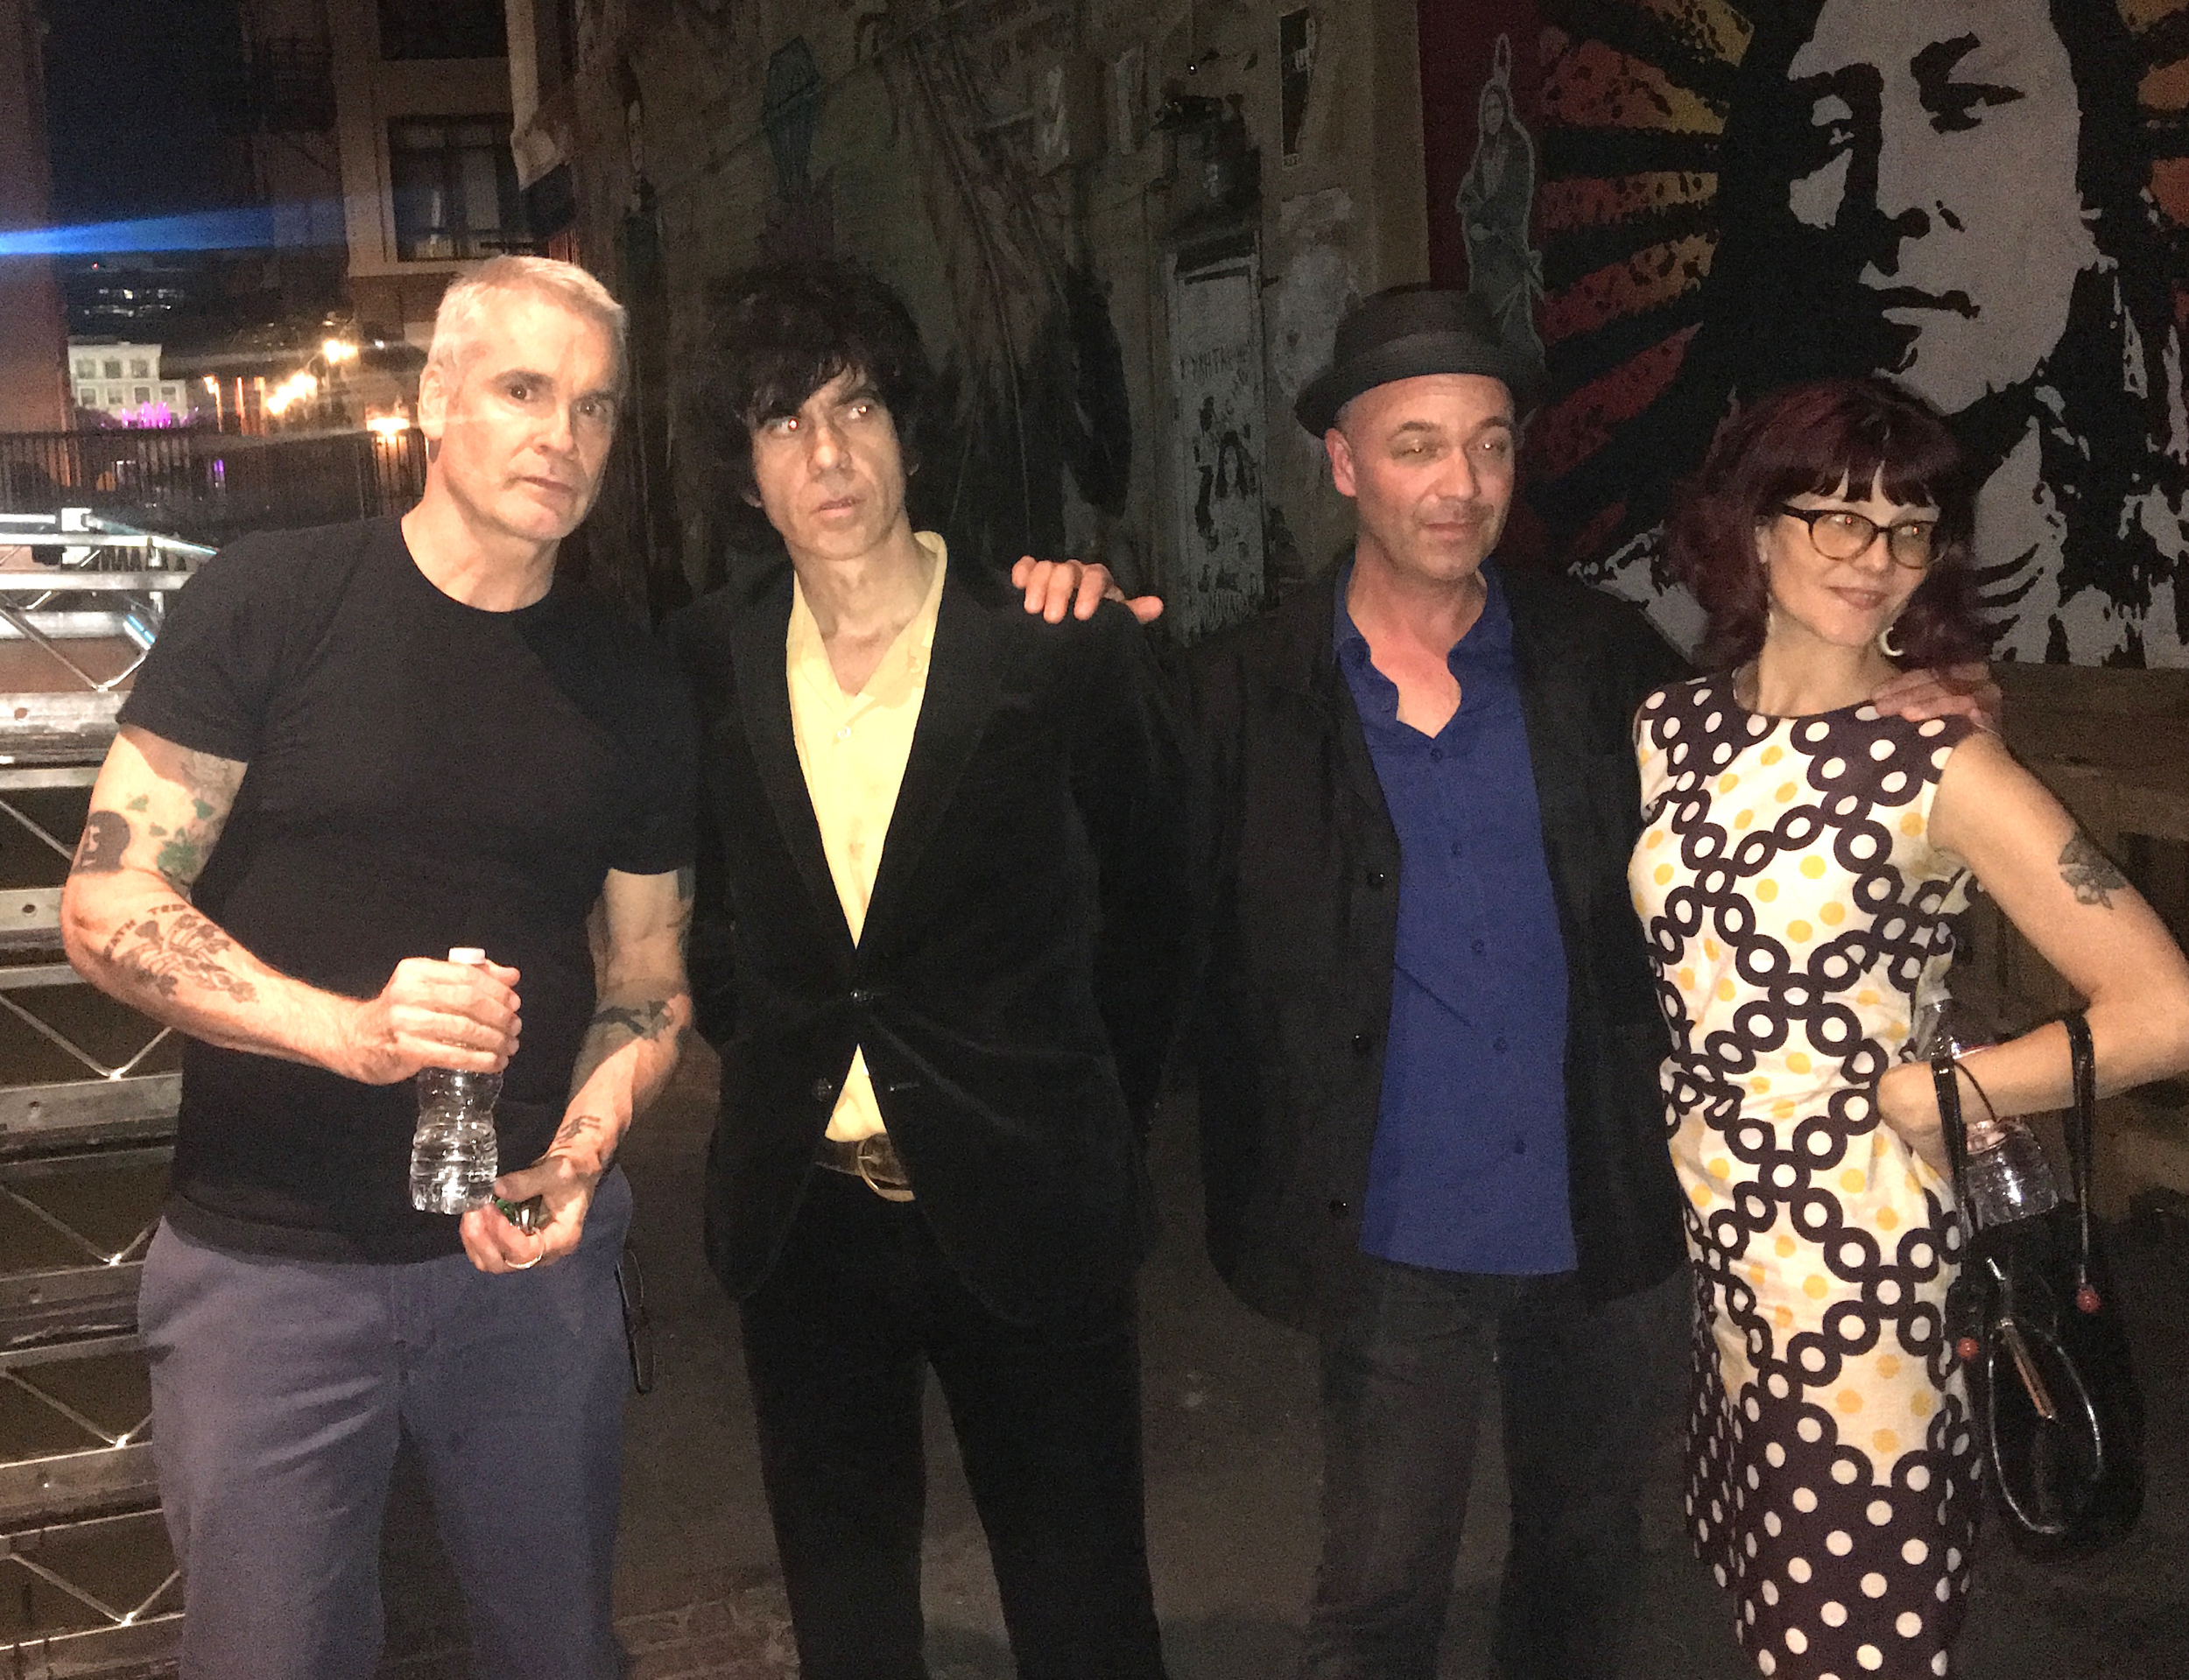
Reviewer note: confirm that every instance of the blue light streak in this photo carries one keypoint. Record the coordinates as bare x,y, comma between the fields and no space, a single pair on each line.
211,231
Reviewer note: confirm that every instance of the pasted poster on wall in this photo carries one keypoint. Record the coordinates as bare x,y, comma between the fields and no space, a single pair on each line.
1984,199
1215,319
1495,206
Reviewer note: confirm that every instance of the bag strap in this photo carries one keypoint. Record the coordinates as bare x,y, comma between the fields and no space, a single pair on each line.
1947,1082
2082,1130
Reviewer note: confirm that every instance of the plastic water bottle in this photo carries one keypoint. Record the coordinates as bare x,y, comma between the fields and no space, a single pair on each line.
453,1157
2009,1177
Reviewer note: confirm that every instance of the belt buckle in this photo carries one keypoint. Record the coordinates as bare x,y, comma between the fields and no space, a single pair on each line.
874,1154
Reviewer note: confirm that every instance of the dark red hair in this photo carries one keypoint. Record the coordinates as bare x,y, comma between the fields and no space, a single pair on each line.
1812,440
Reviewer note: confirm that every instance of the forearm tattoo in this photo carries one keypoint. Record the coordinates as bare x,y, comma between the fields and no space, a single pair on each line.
171,947
576,1129
616,1025
643,1021
2090,872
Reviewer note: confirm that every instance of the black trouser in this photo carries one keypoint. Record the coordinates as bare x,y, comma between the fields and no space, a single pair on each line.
1048,1421
1405,1364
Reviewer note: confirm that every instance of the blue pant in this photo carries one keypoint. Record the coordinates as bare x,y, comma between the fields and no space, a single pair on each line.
279,1390
1405,1366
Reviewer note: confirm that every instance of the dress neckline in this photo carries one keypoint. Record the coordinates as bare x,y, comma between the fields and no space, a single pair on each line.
1733,698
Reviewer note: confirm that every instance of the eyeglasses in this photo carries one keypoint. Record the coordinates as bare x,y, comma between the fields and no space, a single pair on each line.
1840,535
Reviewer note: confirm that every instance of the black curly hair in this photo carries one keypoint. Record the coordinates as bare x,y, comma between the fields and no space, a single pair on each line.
777,332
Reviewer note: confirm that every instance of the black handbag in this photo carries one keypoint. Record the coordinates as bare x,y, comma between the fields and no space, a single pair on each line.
2058,1416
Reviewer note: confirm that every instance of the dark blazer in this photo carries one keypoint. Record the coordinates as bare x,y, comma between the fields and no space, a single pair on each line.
1289,1040
1015,982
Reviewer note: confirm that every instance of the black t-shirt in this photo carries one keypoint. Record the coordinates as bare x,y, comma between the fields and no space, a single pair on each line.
422,775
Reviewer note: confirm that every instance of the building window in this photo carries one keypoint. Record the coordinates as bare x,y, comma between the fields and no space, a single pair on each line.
144,395
113,370
140,368
455,190
442,29
87,368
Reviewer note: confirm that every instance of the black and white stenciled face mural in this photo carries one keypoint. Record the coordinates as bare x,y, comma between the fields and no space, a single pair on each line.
1983,198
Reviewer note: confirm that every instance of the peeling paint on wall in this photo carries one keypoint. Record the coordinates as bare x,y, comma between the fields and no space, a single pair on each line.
1218,421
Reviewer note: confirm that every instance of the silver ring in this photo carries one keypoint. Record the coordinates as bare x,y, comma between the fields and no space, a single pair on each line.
526,1267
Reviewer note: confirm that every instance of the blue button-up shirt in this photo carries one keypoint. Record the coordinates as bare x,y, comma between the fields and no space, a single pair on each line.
1468,1171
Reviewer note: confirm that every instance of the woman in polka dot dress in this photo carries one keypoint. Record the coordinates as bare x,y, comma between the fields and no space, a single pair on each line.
1800,853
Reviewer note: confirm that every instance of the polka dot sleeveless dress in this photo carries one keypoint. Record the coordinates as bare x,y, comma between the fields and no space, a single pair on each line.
1795,912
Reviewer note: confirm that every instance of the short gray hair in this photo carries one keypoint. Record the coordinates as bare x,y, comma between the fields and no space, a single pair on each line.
471,296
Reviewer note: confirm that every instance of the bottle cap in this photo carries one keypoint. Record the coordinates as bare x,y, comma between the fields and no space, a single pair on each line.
470,955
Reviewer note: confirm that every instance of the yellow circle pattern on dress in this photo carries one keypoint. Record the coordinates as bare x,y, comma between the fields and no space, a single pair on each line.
1825,1403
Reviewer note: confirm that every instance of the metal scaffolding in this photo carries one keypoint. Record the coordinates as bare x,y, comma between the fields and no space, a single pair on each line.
88,1091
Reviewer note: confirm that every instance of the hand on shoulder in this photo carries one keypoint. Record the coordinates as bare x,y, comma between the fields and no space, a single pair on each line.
1054,588
1955,692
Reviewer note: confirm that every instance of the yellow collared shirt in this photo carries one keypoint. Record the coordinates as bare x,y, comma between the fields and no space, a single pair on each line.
853,749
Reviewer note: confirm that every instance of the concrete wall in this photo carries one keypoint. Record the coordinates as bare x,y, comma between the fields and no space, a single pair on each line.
33,332
925,162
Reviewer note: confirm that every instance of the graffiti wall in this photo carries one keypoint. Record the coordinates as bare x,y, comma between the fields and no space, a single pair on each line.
1216,359
1689,201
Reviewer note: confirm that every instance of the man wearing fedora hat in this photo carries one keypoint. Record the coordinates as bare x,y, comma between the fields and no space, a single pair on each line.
1429,1045
1431,1131
1428,1042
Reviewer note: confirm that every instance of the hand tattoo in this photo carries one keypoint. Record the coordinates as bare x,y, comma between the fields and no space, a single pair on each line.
2091,873
586,1129
173,946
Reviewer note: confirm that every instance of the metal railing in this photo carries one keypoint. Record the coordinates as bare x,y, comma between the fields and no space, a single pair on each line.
209,486
88,1091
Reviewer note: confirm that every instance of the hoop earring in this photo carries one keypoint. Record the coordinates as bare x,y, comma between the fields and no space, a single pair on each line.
1885,643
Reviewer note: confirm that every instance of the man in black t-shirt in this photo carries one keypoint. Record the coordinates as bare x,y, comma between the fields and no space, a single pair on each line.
350,751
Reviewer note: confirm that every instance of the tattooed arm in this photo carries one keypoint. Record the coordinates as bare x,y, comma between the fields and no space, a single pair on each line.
157,812
628,1052
2067,899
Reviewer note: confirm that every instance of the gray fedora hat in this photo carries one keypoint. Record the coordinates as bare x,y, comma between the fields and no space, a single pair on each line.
1404,333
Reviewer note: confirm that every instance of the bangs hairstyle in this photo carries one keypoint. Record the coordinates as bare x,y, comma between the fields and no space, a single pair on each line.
779,333
1831,437
472,296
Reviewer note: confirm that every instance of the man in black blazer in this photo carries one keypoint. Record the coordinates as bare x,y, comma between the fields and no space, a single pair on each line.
944,906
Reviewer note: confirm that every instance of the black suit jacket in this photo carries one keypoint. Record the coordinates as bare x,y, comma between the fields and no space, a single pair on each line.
1290,1039
1016,982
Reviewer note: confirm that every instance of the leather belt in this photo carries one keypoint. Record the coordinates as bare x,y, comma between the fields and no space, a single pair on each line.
873,1159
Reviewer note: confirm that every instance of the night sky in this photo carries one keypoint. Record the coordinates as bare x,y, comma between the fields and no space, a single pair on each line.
134,91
